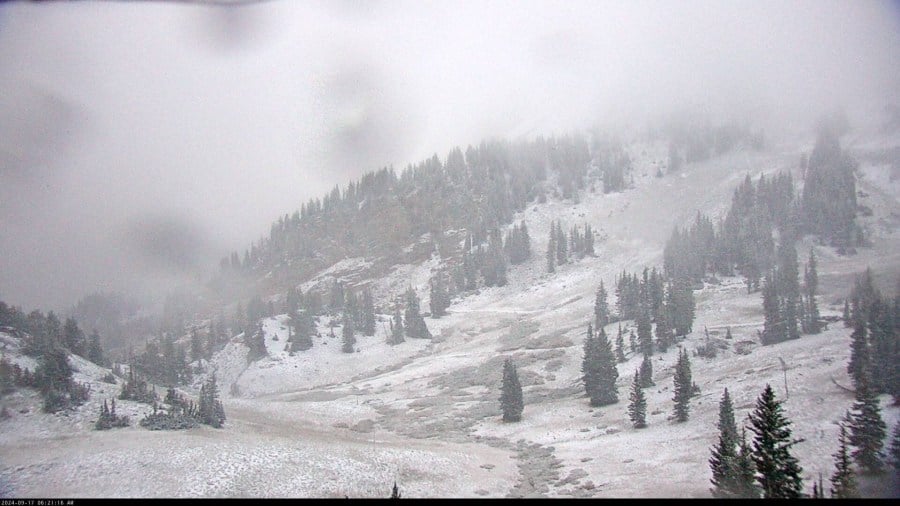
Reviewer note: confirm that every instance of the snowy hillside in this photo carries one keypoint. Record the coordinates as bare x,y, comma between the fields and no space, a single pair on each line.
426,413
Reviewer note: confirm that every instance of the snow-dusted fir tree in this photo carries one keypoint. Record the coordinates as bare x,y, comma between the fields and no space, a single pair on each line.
396,336
368,313
843,481
607,374
778,472
644,331
811,285
895,447
745,469
859,350
867,428
683,386
511,401
724,455
646,372
601,307
637,407
413,321
210,411
589,372
620,346
348,334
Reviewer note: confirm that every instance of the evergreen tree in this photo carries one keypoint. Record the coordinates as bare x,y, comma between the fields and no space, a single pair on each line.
773,327
663,332
196,346
681,306
779,474
74,337
210,410
562,252
811,280
347,333
745,470
440,299
683,386
633,342
859,364
395,492
414,323
303,330
620,346
867,428
843,481
637,408
368,313
644,330
551,251
607,374
724,455
254,340
601,308
589,368
646,371
94,351
846,314
511,393
396,336
895,448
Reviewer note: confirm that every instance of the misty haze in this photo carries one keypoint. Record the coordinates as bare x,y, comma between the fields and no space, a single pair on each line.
466,249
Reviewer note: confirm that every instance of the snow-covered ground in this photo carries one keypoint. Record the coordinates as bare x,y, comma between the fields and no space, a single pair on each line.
426,413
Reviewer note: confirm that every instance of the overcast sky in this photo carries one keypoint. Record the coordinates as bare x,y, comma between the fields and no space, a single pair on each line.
140,142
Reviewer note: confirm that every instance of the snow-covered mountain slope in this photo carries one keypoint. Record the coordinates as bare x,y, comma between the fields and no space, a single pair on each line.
426,413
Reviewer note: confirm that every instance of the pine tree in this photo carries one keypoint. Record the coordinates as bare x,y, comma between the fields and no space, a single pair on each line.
511,393
368,313
663,332
95,352
867,428
620,346
644,330
73,337
562,252
779,473
632,342
589,369
683,386
724,455
601,308
551,251
607,374
210,410
396,336
811,280
303,330
646,371
843,481
773,327
637,408
347,333
414,323
395,492
745,470
859,364
196,346
846,315
438,296
817,491
895,447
